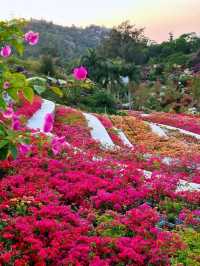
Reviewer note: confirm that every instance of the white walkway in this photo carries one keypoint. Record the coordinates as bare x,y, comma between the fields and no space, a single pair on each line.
156,129
183,131
98,131
197,136
187,186
124,138
37,120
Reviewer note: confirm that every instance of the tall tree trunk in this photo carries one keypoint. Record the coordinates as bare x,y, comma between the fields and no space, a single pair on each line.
129,98
130,95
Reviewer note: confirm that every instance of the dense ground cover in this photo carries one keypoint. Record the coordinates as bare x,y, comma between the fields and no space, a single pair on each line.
140,133
91,206
73,209
182,121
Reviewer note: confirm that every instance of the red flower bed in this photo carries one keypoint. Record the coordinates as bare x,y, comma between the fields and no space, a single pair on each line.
72,124
90,206
28,109
72,210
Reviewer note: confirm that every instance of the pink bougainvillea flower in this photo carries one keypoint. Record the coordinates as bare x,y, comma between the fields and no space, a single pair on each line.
57,144
31,37
48,124
15,123
6,85
24,148
6,51
8,113
80,73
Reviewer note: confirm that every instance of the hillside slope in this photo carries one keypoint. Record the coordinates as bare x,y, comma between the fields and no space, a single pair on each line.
66,43
71,199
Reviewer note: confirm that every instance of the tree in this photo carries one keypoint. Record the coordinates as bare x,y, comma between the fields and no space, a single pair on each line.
47,66
126,42
93,62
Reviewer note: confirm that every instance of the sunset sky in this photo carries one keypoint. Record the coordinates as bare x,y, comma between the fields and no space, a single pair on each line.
159,17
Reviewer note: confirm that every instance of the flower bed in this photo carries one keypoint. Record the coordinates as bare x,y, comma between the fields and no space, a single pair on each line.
182,121
140,133
71,210
27,109
72,124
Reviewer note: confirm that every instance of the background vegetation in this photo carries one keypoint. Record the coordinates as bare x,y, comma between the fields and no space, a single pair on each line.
128,69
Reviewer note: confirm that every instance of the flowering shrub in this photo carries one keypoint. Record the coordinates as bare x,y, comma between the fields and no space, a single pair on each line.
12,85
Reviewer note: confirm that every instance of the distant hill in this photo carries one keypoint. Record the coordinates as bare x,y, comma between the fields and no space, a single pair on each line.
64,43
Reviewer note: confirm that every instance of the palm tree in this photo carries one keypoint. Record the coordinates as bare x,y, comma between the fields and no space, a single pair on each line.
92,61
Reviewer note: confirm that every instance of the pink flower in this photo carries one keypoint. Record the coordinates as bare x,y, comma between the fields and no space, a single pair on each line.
48,124
6,51
24,148
8,113
57,144
31,37
6,85
80,73
15,123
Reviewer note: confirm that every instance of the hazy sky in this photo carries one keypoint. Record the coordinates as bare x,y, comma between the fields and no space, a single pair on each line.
159,17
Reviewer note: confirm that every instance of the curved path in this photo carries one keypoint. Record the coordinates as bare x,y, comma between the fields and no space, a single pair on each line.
124,138
186,132
183,131
156,129
98,131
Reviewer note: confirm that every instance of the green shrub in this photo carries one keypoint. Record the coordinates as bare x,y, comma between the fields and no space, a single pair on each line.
100,101
191,255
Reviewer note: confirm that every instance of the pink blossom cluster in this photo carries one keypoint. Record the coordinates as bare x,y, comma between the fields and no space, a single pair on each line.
80,73
30,37
10,115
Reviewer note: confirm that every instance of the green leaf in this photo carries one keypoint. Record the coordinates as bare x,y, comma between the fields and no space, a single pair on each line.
13,151
28,94
2,130
57,91
13,92
3,143
39,89
4,152
18,43
2,103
